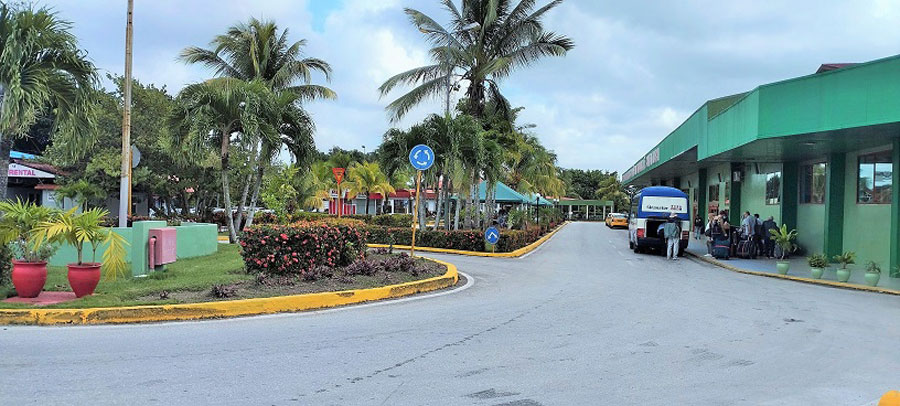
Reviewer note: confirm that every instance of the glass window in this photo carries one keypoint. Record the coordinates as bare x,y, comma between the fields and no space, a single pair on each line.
875,178
713,199
812,183
773,188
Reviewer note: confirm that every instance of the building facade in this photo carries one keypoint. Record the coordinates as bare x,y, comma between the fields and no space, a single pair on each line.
817,153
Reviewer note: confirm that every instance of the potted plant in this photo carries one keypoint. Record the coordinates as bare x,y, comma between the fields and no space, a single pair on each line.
817,264
873,273
29,260
80,229
847,258
785,240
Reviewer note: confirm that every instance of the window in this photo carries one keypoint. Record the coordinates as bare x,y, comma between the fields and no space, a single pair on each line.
773,188
874,179
713,199
812,183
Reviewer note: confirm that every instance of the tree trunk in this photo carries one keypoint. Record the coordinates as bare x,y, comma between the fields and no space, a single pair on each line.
185,210
423,202
437,207
226,187
253,160
5,147
367,202
259,175
447,202
456,213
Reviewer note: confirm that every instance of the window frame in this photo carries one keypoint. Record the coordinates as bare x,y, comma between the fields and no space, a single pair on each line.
767,199
874,156
811,183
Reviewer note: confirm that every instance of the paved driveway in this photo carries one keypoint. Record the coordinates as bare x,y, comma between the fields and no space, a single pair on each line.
580,321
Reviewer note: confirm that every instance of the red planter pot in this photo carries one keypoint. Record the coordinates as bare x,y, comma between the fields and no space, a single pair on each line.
84,278
29,277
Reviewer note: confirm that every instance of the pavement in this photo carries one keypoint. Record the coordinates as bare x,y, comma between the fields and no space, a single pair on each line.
799,267
580,321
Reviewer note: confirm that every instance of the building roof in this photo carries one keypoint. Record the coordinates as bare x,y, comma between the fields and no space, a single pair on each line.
827,67
580,202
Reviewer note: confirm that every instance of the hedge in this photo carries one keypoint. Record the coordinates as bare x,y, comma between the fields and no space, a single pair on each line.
300,248
467,240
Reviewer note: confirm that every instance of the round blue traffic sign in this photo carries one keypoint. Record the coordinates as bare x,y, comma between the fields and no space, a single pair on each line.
421,157
492,235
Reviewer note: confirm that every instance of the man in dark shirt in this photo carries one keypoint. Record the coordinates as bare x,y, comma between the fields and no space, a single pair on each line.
767,225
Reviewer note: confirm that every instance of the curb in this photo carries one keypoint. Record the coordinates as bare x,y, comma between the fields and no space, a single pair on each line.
222,309
512,254
833,284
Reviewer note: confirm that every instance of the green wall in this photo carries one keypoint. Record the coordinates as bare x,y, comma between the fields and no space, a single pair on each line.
867,227
193,239
811,227
733,127
712,178
753,192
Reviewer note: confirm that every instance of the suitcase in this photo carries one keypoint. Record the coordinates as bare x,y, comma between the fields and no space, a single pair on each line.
746,249
721,249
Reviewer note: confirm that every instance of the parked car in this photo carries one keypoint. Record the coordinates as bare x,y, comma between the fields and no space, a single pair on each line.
614,220
650,208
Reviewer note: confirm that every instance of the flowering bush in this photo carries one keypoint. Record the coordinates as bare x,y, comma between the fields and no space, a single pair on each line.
467,240
300,248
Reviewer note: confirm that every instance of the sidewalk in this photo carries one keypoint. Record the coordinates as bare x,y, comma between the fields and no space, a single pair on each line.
799,267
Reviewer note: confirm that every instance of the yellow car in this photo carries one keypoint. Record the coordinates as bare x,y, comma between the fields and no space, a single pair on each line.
614,220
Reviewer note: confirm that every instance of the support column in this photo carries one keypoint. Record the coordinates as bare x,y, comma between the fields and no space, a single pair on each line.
734,209
834,204
701,195
789,177
895,211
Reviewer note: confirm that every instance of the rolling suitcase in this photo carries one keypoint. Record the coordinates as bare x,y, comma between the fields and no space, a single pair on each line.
721,249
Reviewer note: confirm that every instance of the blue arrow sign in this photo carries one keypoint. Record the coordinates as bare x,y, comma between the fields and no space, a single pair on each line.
421,157
492,235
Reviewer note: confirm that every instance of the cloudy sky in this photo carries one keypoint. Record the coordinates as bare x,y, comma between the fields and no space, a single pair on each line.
639,68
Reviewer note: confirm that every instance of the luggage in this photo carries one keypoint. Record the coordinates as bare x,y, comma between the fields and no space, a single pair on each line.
746,249
721,249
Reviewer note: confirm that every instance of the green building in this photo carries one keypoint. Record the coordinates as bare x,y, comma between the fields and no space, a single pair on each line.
816,152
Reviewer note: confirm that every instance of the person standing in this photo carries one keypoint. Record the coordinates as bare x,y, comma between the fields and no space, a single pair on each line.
698,227
672,234
768,225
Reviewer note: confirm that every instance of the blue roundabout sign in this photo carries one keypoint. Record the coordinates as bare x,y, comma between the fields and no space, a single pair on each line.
421,157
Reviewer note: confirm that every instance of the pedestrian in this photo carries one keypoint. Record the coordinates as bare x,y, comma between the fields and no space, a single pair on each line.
767,226
698,227
672,234
759,238
748,224
707,231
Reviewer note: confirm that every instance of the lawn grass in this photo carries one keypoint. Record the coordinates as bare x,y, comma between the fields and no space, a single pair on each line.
193,274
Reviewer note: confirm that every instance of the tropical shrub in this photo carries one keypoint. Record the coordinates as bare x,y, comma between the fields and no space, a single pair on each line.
845,259
467,240
817,261
299,248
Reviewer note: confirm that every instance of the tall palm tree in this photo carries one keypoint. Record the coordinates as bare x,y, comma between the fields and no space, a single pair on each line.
484,43
258,50
368,178
41,66
218,113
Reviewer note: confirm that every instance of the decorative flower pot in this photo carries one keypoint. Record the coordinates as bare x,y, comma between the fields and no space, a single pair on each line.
872,278
84,278
817,272
29,277
843,275
782,267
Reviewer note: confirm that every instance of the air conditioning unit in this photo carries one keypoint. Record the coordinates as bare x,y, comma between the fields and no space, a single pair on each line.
736,176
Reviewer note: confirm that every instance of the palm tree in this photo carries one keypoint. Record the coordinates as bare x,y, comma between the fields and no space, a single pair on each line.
257,50
368,178
219,112
41,66
484,43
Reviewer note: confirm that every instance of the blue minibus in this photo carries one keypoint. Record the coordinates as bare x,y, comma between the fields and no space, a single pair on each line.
650,208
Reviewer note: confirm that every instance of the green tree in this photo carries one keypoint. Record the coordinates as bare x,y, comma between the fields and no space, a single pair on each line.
42,67
484,43
368,178
258,51
214,112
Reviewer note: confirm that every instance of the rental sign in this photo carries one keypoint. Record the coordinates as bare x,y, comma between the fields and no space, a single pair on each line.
648,161
21,171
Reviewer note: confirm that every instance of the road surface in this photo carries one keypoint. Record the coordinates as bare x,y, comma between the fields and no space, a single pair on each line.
580,321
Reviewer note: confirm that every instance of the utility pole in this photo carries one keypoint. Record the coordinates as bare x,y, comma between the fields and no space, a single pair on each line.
125,182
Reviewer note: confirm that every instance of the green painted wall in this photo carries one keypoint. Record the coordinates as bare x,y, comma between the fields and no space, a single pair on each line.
193,240
811,227
753,192
733,127
678,141
867,227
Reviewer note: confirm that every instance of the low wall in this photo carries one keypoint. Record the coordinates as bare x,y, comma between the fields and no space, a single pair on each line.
193,239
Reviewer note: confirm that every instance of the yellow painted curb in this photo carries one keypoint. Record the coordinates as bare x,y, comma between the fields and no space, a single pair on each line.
811,281
512,254
892,398
231,308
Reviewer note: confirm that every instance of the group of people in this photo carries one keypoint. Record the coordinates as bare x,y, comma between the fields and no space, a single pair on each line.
752,228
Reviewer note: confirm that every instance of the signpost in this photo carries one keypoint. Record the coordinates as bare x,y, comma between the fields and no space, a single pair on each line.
421,157
492,236
339,177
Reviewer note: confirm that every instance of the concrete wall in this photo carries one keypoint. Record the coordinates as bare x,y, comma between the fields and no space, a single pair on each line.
753,191
193,239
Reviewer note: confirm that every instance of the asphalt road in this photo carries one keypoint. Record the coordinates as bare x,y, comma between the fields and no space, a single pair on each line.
580,321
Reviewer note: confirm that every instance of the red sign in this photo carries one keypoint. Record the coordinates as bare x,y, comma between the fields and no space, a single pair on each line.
338,174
